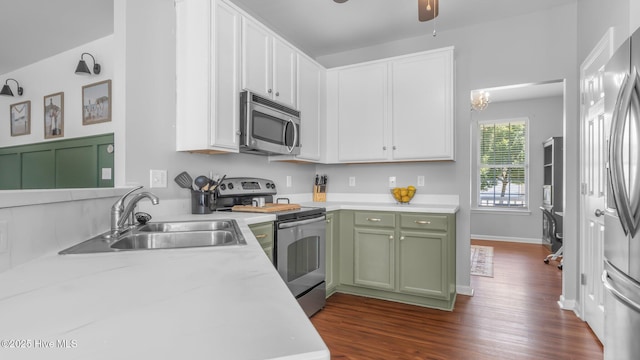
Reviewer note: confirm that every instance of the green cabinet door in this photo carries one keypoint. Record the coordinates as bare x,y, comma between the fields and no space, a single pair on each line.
332,252
374,258
422,264
264,233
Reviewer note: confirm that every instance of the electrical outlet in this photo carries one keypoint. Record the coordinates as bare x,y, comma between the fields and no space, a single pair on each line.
420,180
157,178
106,174
288,180
352,181
392,181
4,237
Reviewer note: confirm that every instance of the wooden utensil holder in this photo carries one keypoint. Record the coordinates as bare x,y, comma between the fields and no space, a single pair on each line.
320,193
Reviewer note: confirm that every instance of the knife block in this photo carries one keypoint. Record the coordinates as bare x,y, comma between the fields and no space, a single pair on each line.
320,193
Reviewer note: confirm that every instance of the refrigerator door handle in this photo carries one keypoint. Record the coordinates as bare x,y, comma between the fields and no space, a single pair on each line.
620,296
627,100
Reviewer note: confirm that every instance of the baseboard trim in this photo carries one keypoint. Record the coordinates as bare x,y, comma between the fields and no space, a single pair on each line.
507,239
464,290
566,304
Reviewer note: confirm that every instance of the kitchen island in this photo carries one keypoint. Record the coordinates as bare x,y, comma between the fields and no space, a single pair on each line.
198,303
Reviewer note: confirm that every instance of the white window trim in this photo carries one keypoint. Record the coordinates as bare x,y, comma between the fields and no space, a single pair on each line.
476,175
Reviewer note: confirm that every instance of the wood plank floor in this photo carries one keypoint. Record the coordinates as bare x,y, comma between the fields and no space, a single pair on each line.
513,315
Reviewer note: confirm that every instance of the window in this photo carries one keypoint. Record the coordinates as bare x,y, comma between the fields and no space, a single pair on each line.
502,167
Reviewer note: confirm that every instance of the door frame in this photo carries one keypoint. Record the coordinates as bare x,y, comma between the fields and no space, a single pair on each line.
604,46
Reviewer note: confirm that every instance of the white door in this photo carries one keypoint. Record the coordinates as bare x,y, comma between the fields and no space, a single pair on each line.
256,58
594,143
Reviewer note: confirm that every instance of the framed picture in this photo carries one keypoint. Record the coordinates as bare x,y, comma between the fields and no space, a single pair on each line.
54,115
96,102
20,117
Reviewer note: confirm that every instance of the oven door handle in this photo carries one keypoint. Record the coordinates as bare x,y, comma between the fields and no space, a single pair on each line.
288,225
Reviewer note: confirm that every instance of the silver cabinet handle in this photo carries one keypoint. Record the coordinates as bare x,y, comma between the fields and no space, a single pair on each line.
401,237
599,212
261,236
328,221
374,219
390,237
384,148
422,222
277,93
394,147
618,294
269,91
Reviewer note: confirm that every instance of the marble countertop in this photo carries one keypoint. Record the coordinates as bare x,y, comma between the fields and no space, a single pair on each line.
205,303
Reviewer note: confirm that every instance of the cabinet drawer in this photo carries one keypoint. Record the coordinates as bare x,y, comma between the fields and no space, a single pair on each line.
424,221
377,219
264,233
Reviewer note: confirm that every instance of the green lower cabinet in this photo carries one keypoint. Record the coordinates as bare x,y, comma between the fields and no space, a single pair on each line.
264,233
374,256
332,252
422,258
405,257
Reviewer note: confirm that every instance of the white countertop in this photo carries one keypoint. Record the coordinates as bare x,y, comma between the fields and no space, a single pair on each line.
204,303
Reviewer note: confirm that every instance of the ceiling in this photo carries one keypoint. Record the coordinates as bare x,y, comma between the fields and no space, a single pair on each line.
32,30
322,27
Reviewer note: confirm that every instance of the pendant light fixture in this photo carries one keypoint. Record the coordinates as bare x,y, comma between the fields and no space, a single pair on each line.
83,69
479,100
6,90
428,9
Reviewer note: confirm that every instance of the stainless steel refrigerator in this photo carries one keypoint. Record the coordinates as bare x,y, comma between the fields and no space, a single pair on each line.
621,276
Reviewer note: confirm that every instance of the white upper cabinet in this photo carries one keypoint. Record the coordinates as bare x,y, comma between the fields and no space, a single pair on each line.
362,113
311,87
422,106
397,109
268,64
207,76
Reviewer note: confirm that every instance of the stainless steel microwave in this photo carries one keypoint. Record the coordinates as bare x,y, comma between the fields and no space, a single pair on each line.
267,127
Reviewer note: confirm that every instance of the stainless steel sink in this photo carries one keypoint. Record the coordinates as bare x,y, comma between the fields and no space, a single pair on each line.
164,235
187,226
154,240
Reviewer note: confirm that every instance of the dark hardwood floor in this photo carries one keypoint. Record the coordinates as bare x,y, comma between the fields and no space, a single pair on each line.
513,315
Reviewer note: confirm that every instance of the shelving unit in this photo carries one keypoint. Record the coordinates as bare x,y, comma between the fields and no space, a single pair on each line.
552,186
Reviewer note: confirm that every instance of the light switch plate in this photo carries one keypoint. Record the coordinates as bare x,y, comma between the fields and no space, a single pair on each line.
288,180
157,178
420,180
106,173
4,237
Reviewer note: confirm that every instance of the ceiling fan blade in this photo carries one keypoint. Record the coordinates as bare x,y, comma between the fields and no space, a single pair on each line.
428,9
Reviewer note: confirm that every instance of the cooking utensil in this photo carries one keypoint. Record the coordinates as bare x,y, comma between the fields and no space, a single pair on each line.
219,182
201,181
184,180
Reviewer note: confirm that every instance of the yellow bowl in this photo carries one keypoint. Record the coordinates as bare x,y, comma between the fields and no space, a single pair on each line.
403,195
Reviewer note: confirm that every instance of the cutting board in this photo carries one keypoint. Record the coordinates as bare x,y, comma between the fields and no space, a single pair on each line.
268,208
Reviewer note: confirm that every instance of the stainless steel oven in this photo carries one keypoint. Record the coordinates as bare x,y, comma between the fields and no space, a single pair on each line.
267,127
300,256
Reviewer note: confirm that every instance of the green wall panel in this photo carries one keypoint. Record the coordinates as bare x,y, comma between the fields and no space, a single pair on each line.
71,163
75,167
38,170
9,171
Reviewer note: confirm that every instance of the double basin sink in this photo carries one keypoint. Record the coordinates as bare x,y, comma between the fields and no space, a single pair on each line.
164,235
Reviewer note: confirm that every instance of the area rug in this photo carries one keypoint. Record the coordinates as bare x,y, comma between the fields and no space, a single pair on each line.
482,260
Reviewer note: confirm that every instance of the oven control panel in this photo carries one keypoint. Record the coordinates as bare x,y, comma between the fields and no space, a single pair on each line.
246,186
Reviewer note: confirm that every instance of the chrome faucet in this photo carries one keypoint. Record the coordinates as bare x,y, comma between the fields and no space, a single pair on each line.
120,213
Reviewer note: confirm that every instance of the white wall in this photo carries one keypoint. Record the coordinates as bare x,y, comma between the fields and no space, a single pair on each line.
545,120
525,49
53,75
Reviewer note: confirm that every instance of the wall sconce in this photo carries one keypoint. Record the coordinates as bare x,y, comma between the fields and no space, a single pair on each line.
6,90
83,69
479,100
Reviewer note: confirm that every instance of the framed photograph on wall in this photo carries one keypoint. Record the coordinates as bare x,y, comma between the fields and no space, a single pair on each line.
54,115
20,118
96,102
